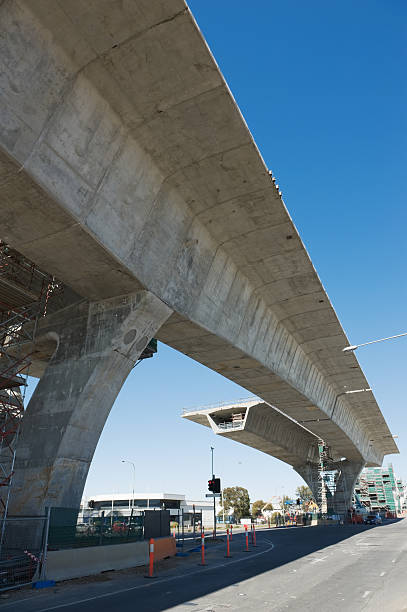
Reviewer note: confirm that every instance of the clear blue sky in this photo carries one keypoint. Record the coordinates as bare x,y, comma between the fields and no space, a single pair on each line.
322,87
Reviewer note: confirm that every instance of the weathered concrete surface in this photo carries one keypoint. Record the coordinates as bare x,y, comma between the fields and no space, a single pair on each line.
348,473
75,563
125,163
263,428
271,432
78,562
97,345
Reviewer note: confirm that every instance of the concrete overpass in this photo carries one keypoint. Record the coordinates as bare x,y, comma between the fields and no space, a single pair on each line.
263,427
128,172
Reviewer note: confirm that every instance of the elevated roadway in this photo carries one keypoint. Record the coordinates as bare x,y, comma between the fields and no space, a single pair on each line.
129,173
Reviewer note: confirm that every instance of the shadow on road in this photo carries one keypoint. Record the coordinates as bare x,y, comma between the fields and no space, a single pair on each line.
288,545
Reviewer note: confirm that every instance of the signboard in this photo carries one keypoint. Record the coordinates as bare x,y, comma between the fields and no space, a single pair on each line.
212,495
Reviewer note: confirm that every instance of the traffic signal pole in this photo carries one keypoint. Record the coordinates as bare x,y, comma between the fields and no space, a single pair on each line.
214,516
214,500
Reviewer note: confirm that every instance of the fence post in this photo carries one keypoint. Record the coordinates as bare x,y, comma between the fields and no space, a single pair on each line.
45,546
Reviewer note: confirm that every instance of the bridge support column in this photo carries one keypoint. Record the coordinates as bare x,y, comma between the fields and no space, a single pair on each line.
309,472
340,501
97,346
345,485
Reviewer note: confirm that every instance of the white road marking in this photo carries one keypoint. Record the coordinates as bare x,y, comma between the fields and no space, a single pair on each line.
143,586
365,594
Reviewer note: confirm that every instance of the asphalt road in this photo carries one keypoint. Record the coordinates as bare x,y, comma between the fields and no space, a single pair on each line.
348,568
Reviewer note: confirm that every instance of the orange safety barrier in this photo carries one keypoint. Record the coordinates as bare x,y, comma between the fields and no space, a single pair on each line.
164,547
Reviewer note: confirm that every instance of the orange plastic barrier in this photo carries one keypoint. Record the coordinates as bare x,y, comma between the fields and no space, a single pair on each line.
164,547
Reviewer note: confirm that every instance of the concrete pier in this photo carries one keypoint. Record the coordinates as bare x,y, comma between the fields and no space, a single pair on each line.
96,346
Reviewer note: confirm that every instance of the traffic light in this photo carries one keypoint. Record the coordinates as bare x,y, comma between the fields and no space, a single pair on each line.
91,503
214,485
298,502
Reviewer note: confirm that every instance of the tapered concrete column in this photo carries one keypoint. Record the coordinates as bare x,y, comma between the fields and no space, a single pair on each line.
309,472
97,346
340,501
345,485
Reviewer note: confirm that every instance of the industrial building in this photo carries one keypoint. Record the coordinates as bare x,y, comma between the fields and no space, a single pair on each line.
126,504
378,490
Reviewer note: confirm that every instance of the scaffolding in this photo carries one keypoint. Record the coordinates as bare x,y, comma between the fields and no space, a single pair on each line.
24,298
322,468
329,482
377,489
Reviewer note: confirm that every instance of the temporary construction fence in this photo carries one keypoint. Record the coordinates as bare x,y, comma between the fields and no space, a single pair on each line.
23,555
27,540
100,530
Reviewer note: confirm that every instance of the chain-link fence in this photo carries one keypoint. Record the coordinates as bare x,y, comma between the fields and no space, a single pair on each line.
97,529
22,555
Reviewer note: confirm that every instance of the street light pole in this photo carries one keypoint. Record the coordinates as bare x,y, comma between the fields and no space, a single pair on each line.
134,480
347,393
353,347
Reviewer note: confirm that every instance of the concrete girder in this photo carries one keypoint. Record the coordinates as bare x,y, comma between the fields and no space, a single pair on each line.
97,345
125,163
263,428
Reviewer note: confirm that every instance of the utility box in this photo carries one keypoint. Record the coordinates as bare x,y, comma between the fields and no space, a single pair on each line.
156,524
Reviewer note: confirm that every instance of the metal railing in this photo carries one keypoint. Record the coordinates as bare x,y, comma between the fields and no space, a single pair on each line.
238,402
230,424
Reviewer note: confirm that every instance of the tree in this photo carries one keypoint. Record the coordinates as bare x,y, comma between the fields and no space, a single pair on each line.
268,506
257,508
238,500
284,499
304,493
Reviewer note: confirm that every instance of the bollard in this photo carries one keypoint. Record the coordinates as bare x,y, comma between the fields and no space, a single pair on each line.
247,539
203,547
254,536
227,545
252,533
231,530
151,563
173,534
